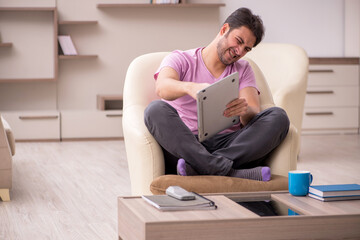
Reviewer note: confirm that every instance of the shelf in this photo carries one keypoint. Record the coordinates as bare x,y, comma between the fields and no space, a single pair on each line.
109,102
27,8
147,5
19,80
5,44
64,57
334,60
77,22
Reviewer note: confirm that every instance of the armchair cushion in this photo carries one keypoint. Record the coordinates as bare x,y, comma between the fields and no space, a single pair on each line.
217,184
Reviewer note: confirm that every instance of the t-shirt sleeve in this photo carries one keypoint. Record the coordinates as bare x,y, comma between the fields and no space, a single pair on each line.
247,79
176,61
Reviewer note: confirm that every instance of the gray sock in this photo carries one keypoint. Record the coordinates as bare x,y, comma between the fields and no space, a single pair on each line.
257,173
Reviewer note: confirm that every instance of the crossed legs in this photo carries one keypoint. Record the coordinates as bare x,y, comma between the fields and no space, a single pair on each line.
223,153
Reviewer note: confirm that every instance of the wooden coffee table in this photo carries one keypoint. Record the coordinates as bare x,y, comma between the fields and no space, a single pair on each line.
318,220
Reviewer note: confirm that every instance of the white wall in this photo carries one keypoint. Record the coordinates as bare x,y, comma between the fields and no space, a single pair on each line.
352,27
316,25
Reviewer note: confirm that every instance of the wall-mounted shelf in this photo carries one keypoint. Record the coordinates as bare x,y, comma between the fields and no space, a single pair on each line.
109,102
64,57
5,44
77,22
27,8
334,60
181,5
81,56
18,80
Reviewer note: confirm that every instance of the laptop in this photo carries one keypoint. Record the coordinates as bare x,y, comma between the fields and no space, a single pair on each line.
211,103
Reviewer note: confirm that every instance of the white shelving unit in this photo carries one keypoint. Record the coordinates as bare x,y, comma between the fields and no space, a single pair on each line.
63,104
332,100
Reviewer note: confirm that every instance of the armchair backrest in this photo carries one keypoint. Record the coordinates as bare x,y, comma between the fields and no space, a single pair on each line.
285,67
266,99
139,87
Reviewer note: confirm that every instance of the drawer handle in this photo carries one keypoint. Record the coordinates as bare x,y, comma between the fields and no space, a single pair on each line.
113,115
37,117
320,92
319,113
321,71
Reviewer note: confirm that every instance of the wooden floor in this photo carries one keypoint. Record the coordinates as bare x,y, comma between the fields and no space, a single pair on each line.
68,190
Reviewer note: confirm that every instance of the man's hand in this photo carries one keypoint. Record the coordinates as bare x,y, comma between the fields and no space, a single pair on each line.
169,87
196,87
246,106
237,107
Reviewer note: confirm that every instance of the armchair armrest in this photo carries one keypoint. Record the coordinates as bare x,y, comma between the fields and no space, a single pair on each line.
144,154
284,157
9,135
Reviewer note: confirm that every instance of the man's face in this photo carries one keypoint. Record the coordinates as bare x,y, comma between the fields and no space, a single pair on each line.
235,44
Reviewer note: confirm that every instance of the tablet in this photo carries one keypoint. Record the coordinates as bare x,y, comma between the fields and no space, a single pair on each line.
211,104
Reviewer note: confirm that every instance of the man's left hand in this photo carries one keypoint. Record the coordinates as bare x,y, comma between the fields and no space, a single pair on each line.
237,107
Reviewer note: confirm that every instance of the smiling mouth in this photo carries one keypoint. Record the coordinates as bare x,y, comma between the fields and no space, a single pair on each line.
233,54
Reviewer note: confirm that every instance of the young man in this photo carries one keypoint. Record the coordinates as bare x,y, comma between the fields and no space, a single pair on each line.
238,151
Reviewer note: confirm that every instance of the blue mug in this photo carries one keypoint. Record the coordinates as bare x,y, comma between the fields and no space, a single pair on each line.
299,182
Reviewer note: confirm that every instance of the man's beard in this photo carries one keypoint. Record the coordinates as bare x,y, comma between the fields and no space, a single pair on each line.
221,53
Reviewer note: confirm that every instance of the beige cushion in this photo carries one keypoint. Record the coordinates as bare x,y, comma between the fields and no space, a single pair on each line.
217,184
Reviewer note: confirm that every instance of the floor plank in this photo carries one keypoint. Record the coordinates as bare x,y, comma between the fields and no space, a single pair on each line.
68,190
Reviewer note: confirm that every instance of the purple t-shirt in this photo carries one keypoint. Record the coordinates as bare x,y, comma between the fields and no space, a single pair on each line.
191,68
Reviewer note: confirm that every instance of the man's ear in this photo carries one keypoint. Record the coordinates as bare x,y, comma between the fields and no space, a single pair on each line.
224,29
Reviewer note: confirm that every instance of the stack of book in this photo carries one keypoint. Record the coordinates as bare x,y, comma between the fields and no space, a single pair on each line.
336,192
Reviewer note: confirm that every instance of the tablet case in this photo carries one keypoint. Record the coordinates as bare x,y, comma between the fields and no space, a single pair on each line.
211,103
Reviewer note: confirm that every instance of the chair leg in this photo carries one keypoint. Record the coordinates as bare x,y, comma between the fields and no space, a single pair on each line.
5,195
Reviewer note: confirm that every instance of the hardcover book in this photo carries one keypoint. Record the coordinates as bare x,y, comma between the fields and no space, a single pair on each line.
66,44
330,199
335,190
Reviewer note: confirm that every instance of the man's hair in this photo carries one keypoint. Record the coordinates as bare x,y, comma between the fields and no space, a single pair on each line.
244,17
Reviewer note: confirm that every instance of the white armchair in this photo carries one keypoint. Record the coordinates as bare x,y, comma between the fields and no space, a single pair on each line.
145,156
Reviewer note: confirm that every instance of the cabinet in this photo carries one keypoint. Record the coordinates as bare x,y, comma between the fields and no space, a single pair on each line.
91,124
28,71
27,33
332,98
34,125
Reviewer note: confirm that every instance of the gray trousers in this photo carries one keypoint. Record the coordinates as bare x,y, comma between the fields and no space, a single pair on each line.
247,147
